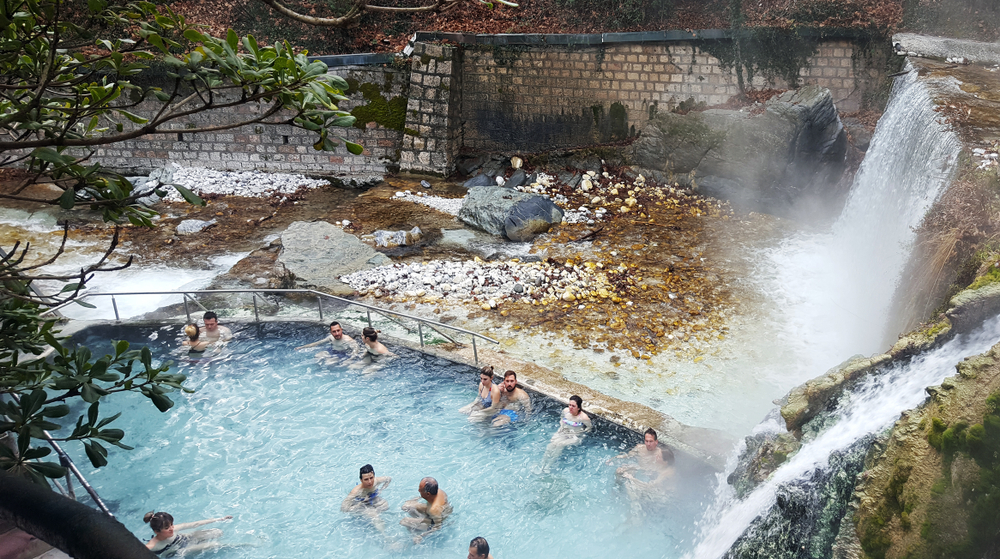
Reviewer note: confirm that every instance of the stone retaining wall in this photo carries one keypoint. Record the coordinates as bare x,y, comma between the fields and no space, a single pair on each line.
514,98
530,99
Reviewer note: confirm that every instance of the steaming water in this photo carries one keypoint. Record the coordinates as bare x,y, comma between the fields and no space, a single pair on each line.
275,438
834,290
871,408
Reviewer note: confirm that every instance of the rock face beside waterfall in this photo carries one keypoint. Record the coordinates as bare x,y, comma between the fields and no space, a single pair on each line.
807,515
317,253
791,154
931,490
510,213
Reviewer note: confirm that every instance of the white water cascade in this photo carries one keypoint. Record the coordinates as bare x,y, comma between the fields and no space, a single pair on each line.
834,289
871,408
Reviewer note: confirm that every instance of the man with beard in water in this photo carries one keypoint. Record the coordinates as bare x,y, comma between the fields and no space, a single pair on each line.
515,404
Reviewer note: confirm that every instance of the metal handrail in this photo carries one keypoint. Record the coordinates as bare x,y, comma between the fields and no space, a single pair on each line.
67,462
186,294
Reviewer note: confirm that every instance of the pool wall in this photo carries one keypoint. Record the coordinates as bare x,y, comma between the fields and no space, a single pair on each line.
709,446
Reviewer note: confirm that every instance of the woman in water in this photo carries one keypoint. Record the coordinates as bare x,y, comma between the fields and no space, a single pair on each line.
487,400
374,352
168,539
193,333
373,348
573,424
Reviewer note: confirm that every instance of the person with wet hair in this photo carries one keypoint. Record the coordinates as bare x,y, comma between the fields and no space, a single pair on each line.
515,404
213,331
574,423
645,454
168,538
339,342
427,512
652,486
193,343
373,348
366,499
479,548
487,401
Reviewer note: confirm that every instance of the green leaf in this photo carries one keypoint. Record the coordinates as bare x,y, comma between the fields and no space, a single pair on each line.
161,402
32,402
89,393
189,197
232,40
133,117
343,121
48,469
93,413
58,410
121,346
69,287
36,453
356,149
96,453
68,199
195,36
84,304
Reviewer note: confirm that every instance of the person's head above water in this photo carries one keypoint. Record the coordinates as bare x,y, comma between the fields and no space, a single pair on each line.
192,331
650,439
428,488
486,375
479,548
510,381
370,334
575,402
336,331
159,521
211,321
367,476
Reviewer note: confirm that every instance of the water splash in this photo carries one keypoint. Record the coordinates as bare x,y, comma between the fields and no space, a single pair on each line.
871,408
834,290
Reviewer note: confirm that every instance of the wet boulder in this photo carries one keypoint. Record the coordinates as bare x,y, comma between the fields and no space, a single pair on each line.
791,154
318,253
501,211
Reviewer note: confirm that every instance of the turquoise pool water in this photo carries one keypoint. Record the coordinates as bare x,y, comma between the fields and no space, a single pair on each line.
275,438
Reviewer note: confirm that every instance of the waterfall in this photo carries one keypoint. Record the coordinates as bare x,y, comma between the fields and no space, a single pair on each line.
870,408
834,290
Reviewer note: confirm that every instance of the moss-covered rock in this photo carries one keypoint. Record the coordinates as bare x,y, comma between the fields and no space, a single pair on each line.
934,491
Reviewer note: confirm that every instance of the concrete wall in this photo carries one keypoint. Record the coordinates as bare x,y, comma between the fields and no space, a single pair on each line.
514,99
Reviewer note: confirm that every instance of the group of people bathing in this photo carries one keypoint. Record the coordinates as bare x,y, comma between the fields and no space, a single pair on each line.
214,335
500,404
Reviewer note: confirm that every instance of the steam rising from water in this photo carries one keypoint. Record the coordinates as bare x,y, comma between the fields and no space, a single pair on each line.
870,409
834,290
834,293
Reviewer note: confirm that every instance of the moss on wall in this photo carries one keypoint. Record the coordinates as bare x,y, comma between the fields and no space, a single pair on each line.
389,113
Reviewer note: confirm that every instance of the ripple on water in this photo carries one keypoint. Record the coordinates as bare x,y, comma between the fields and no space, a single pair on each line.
276,439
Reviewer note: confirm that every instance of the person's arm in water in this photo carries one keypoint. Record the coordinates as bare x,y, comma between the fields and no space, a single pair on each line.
349,503
316,343
588,425
384,480
189,525
225,334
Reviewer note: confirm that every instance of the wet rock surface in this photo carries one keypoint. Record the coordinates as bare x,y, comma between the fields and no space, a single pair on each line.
772,161
317,253
504,211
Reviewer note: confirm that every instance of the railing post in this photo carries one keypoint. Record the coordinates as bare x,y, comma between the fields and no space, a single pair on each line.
115,305
255,315
420,332
320,308
184,298
475,352
369,317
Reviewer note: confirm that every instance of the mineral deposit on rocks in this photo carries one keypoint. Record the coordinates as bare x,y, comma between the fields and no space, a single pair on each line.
318,252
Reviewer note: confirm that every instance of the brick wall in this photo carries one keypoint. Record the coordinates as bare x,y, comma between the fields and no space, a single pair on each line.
280,148
535,98
480,97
